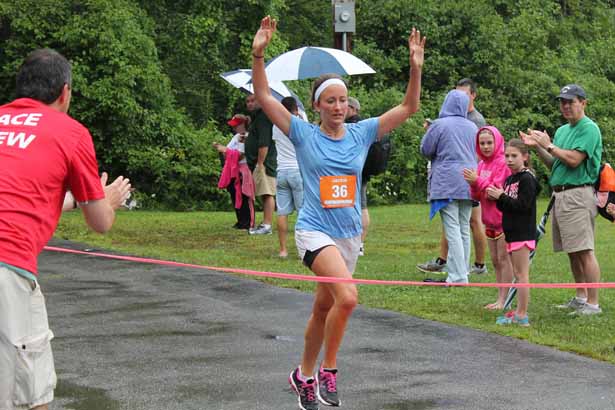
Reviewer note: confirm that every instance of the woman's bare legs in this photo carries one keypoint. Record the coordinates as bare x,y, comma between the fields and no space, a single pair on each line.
333,305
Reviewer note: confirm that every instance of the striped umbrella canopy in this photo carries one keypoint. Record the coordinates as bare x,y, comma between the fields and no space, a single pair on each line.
310,62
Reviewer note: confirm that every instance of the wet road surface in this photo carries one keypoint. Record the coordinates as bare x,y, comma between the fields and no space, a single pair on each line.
137,336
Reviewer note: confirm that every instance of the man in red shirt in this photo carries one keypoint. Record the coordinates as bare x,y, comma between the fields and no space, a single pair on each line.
43,153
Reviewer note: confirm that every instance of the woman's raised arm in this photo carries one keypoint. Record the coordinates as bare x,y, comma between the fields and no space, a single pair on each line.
412,99
274,110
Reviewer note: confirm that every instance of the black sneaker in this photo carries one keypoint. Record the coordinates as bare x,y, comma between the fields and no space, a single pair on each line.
327,387
478,269
305,389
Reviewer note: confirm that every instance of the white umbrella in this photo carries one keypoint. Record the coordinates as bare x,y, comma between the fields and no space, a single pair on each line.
310,62
242,78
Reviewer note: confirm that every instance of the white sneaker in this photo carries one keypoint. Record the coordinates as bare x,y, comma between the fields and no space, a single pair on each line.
573,303
587,310
261,230
361,251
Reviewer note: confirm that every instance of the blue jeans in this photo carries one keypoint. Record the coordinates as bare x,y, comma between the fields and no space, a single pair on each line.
456,224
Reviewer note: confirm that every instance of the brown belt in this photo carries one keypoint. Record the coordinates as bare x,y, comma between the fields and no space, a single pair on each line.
560,188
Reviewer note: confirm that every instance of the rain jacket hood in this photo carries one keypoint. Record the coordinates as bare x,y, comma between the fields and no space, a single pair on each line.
498,145
456,103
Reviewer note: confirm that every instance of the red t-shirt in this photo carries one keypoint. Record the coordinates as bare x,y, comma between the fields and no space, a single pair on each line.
43,152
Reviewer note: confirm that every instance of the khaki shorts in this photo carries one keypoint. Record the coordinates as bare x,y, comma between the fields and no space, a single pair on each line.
263,183
313,240
27,373
572,220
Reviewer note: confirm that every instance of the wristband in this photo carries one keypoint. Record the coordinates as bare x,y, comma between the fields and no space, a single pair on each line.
255,56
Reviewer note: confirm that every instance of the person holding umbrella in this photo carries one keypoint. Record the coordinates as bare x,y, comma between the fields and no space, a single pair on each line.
328,229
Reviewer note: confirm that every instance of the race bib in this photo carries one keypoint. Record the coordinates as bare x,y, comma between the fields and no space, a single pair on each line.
338,191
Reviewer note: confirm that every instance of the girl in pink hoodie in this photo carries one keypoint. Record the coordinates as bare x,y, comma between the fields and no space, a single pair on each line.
492,171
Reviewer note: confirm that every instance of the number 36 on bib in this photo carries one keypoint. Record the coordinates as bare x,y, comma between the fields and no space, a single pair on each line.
338,191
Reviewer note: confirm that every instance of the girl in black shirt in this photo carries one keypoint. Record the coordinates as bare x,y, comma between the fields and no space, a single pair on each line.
517,202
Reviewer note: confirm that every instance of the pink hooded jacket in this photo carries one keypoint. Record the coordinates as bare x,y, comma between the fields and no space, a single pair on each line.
242,178
491,171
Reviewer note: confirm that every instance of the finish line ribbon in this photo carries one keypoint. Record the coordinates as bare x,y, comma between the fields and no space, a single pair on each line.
327,279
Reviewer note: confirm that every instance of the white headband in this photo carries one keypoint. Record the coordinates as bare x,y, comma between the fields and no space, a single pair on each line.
327,83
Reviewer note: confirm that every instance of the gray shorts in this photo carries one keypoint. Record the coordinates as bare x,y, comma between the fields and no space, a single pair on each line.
572,220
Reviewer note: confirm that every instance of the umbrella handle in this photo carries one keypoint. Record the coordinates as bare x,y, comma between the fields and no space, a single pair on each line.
551,203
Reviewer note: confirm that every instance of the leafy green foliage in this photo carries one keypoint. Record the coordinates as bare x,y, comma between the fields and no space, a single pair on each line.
120,92
147,85
519,53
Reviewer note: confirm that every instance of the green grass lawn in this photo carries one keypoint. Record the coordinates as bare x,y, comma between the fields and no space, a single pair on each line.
399,238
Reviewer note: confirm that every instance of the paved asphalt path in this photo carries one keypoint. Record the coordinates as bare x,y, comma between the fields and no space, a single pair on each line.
138,336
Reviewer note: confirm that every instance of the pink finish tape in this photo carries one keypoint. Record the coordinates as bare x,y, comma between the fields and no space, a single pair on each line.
326,279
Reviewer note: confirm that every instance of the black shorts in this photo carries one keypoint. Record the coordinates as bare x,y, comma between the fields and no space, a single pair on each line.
310,256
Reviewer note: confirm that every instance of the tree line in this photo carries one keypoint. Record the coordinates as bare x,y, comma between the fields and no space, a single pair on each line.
146,74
